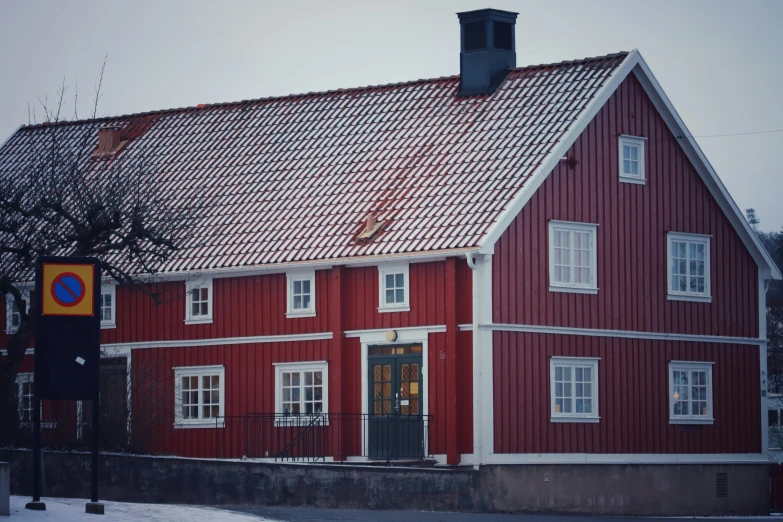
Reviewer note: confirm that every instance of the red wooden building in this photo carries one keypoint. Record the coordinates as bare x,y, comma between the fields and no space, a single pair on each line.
508,266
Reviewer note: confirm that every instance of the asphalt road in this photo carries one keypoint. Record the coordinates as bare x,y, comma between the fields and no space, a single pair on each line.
327,515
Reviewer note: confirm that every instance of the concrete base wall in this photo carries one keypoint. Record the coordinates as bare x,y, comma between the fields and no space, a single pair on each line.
585,488
5,489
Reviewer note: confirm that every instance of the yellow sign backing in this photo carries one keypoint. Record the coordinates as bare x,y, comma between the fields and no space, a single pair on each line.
68,289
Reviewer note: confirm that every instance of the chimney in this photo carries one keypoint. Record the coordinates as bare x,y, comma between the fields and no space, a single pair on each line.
487,50
109,143
108,138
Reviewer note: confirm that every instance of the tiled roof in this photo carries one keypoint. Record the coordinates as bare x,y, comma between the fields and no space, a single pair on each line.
292,179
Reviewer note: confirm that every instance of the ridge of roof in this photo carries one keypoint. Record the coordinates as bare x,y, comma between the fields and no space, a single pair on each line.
343,90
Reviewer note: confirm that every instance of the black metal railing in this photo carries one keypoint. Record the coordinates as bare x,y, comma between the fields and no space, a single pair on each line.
314,438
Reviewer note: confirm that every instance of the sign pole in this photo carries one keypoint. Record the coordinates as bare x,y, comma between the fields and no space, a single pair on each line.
94,478
36,504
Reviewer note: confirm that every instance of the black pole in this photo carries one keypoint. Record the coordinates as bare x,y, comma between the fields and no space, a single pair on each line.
94,477
36,446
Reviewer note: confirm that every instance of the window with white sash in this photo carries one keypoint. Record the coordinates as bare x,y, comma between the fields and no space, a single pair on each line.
301,293
199,301
572,257
631,159
13,319
108,306
301,389
394,287
573,389
689,267
199,396
690,392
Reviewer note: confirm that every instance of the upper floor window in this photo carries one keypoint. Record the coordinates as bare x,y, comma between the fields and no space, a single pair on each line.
394,288
199,301
108,306
301,293
13,319
573,389
301,389
572,257
199,396
631,159
690,392
689,267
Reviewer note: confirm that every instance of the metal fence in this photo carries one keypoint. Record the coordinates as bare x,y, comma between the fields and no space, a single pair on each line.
314,438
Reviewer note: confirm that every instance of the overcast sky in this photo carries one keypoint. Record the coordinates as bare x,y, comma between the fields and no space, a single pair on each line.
719,61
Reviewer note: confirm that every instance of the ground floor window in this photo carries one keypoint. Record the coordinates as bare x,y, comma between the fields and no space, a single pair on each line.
690,392
574,389
199,396
301,388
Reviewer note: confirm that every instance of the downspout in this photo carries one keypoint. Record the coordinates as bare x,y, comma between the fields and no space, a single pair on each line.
477,446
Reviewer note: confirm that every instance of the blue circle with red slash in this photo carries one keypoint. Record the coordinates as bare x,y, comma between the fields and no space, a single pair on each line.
68,289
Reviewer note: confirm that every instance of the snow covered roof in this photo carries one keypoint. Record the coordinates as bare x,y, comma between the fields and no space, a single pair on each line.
293,178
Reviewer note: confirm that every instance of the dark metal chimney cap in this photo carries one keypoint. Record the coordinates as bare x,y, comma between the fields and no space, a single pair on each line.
487,14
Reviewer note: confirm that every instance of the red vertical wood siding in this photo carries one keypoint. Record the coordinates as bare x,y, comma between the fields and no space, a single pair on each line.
633,221
249,387
633,395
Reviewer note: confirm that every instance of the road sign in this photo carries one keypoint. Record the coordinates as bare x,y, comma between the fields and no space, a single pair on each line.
67,289
67,328
67,346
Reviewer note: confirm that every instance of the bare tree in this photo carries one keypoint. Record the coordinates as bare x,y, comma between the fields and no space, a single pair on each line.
61,194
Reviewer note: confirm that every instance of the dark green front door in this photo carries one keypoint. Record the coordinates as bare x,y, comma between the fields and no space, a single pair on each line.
395,421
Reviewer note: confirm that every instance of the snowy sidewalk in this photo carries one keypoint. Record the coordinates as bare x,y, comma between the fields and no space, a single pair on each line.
72,510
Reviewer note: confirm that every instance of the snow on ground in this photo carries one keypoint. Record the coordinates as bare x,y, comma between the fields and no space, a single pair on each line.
72,510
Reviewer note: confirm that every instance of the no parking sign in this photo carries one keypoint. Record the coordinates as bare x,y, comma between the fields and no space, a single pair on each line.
67,328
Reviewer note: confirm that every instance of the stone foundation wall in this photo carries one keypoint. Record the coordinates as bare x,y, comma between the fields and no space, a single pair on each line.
622,489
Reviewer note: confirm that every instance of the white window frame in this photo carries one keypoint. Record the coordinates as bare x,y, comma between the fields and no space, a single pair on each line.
592,286
291,278
673,295
388,269
189,287
302,418
573,362
633,141
198,371
9,300
21,379
109,289
691,419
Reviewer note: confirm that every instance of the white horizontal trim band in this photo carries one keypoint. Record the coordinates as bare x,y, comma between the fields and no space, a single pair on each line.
630,334
626,458
221,341
441,328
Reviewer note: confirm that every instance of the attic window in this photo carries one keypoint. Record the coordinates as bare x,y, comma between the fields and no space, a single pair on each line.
503,36
475,36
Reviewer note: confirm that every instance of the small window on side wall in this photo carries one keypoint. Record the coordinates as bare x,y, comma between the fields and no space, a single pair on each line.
394,287
689,267
572,257
301,293
631,149
198,302
108,306
13,319
574,389
690,392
